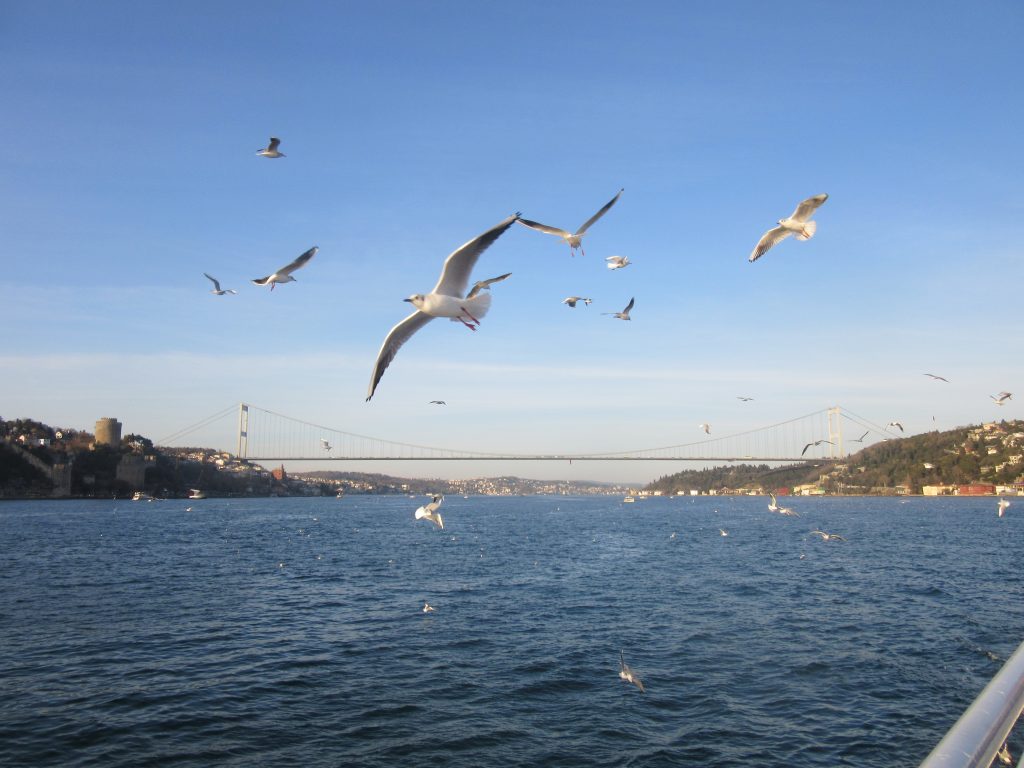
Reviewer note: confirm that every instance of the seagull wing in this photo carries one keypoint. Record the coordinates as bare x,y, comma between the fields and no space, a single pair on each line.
457,267
628,307
599,214
299,262
479,286
545,228
396,337
806,209
768,240
274,143
216,285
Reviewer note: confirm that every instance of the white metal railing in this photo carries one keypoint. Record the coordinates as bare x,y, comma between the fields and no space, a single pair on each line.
981,731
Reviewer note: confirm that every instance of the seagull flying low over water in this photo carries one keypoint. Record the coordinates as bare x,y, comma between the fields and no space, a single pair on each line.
429,512
1002,397
574,239
284,274
446,300
271,148
895,424
798,224
829,536
773,506
624,314
628,674
428,608
1003,504
217,290
571,301
617,262
815,443
937,378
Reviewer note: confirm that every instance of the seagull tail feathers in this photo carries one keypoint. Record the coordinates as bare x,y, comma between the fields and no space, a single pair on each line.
809,229
261,280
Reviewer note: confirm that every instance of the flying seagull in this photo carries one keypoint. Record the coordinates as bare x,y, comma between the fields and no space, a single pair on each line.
815,443
1003,504
429,512
624,314
895,424
706,427
284,274
438,402
217,290
271,148
575,240
1002,397
428,608
744,399
326,445
798,224
829,536
446,300
628,674
571,301
773,506
937,378
617,262
861,438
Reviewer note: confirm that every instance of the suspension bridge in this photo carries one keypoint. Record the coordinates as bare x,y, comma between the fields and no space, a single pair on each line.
266,436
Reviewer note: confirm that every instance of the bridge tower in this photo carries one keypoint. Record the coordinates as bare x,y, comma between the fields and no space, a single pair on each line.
835,433
243,431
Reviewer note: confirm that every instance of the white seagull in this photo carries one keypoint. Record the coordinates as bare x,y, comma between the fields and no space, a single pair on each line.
624,314
829,536
271,148
628,674
798,224
428,608
574,239
815,444
617,262
326,445
217,290
773,506
895,424
446,300
1002,397
429,512
284,274
706,427
861,438
571,301
1003,504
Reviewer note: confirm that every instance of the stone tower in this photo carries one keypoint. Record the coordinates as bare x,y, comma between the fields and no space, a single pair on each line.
108,432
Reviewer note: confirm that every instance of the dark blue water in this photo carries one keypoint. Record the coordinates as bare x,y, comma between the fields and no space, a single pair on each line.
290,632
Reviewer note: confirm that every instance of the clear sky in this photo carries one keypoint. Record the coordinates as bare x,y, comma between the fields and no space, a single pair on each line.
129,168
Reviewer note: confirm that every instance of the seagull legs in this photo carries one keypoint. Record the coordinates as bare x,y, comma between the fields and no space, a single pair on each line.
473,320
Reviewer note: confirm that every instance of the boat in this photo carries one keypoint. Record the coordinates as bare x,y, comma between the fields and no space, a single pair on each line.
628,500
195,493
340,494
140,496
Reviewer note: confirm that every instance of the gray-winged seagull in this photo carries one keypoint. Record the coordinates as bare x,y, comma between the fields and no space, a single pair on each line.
446,300
271,148
628,674
624,314
217,290
798,224
574,239
429,512
284,274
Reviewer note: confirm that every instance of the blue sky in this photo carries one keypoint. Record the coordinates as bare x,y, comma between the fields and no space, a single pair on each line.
130,133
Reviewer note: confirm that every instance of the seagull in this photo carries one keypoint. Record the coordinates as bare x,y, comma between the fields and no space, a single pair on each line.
723,531
829,536
1002,397
217,290
773,506
628,675
326,445
706,427
1003,504
929,465
895,424
861,438
438,402
574,240
744,399
624,314
284,274
1004,754
617,262
445,300
815,443
271,149
798,224
571,301
937,378
428,608
429,512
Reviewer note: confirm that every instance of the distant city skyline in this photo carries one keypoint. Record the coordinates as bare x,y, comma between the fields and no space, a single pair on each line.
131,172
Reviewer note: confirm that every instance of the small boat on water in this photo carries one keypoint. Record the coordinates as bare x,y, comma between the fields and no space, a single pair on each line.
195,493
628,500
140,496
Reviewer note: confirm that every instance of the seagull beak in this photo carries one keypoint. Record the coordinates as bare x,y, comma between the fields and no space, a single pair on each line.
409,300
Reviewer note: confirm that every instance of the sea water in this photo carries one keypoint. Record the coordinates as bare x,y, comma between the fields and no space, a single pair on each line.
251,632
